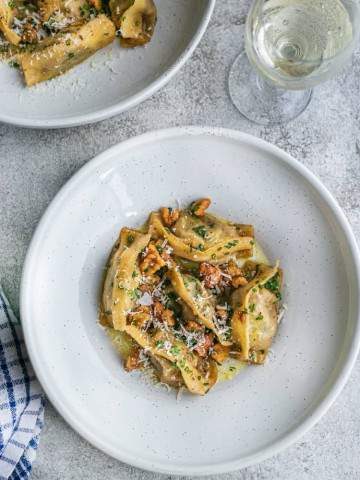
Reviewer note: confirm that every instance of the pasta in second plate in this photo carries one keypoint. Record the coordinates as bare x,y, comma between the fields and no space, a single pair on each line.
46,38
191,297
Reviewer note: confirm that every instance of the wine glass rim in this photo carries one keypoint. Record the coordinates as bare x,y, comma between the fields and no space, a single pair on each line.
345,51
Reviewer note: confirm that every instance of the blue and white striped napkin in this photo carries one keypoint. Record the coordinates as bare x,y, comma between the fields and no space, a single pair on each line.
21,400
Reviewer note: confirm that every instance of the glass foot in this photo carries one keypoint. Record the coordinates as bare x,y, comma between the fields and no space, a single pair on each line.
262,102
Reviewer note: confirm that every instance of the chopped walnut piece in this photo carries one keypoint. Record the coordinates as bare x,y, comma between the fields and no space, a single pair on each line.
141,317
152,261
210,274
199,207
164,314
203,348
220,353
193,326
169,215
237,275
133,361
164,251
29,34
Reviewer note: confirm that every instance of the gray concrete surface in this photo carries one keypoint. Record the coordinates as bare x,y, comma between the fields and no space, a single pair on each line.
326,138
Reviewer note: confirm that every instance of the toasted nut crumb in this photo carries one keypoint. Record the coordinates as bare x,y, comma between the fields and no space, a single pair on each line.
141,317
169,215
237,275
29,34
193,326
203,348
210,274
152,261
133,361
164,314
199,207
220,353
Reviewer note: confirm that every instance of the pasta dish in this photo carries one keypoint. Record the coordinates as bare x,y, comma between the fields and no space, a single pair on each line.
190,296
46,38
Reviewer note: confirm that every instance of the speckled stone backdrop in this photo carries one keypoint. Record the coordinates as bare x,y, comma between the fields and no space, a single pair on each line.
326,138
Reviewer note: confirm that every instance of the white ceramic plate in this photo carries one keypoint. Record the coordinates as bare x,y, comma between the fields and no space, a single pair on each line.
265,408
113,80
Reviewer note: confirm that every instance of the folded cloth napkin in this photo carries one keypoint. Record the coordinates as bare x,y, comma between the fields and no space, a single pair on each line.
21,400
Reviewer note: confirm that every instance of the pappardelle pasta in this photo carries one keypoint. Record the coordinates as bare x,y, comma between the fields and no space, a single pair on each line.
191,297
46,38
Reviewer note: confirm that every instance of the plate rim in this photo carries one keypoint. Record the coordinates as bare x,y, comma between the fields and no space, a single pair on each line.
336,385
123,105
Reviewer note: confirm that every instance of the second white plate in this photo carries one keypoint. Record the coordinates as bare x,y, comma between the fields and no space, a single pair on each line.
114,79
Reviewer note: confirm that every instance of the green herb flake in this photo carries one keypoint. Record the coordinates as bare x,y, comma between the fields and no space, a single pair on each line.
252,307
134,294
260,317
130,239
11,4
159,344
174,350
231,244
71,55
274,285
14,64
201,231
200,247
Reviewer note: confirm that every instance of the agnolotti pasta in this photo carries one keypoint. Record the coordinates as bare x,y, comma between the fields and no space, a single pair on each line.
46,38
185,297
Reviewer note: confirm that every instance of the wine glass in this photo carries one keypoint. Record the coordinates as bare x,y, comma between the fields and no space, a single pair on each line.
290,46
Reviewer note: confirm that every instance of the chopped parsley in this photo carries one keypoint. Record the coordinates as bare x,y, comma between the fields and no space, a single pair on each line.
11,4
87,11
159,248
193,208
201,231
231,244
252,307
260,317
274,285
159,344
134,294
181,363
134,274
130,239
172,303
174,350
71,55
14,64
200,247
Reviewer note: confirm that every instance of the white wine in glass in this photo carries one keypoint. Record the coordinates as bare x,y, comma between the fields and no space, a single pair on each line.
292,45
